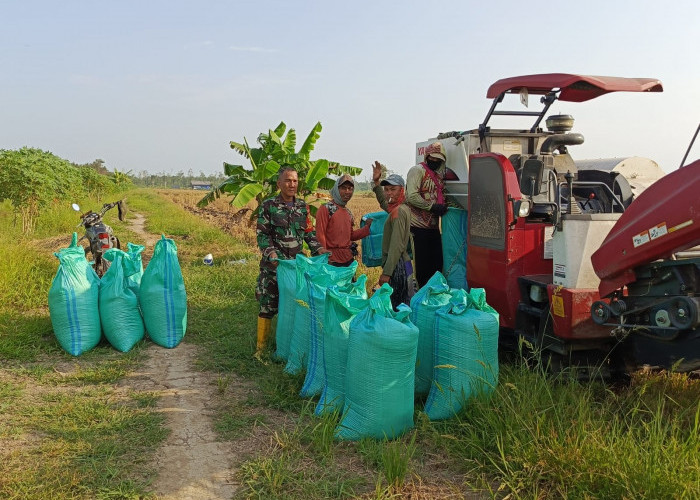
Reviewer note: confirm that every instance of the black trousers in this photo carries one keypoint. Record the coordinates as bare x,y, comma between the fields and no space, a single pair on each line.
342,264
427,247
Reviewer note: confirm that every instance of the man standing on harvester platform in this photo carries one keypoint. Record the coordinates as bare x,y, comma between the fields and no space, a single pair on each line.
284,224
425,197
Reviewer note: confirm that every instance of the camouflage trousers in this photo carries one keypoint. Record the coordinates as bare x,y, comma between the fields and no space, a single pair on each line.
267,293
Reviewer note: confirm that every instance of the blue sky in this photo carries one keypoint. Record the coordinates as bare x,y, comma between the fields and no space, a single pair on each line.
164,86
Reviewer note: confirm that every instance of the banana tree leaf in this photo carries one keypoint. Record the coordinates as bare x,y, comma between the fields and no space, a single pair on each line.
275,139
318,170
326,183
292,160
310,141
290,142
254,160
267,170
233,185
257,156
338,169
279,130
234,169
313,209
247,193
210,197
239,148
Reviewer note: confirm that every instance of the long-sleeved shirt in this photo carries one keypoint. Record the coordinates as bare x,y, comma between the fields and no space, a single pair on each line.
335,232
421,194
282,228
397,233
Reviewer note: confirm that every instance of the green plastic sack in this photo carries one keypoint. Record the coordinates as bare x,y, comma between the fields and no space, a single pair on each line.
162,296
340,309
134,267
119,304
466,353
287,286
427,300
323,275
372,244
454,247
73,301
315,366
379,378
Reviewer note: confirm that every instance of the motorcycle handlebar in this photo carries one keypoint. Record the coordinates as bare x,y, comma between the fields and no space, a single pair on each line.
109,206
106,207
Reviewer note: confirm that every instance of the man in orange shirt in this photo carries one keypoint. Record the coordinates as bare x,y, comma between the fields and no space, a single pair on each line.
335,224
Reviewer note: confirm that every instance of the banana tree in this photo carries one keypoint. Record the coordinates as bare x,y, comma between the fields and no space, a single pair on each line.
276,150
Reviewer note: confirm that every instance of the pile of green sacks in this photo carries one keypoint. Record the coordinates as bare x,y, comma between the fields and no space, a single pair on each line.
125,304
457,347
367,362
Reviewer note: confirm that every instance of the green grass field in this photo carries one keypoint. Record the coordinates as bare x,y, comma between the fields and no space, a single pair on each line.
81,436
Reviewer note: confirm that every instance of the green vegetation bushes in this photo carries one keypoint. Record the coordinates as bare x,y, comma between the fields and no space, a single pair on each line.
33,180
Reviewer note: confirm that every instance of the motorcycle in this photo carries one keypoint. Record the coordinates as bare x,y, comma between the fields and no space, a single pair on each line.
99,235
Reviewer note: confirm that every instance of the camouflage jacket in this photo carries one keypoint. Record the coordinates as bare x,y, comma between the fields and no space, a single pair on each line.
283,228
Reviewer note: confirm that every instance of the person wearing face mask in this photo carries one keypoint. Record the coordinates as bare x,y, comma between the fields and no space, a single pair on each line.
425,184
396,263
335,224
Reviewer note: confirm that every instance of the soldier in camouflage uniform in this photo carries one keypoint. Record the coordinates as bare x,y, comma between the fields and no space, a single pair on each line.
284,224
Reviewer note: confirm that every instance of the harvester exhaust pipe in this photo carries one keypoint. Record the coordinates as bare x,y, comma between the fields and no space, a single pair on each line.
559,141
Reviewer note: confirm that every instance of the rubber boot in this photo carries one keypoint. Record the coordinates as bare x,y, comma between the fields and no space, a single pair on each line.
264,325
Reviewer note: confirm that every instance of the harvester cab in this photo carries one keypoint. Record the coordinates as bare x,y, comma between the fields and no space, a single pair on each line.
536,215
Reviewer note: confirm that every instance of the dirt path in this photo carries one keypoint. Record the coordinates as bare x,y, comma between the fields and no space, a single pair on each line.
138,225
191,464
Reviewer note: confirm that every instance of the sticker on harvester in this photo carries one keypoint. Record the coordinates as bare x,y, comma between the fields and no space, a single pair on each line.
558,306
560,270
640,239
658,231
511,145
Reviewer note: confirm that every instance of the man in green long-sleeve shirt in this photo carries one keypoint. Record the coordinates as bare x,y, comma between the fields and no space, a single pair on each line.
391,196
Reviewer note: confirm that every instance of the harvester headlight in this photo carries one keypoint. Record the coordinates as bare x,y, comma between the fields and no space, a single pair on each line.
523,207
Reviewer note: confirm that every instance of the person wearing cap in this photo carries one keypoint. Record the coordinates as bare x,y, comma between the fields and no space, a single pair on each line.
396,263
425,184
335,224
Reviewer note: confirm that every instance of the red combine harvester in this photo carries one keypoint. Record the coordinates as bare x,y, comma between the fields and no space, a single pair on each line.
586,260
